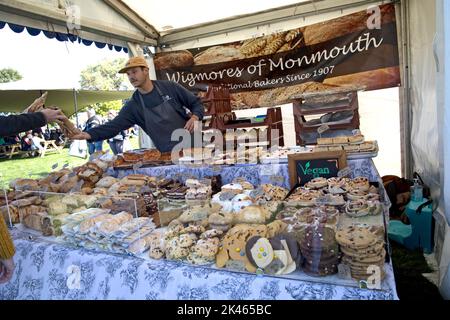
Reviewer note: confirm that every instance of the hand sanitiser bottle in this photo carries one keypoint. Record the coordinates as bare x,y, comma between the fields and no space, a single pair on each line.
417,191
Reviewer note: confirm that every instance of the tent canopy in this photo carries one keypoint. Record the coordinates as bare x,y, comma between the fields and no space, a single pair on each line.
18,100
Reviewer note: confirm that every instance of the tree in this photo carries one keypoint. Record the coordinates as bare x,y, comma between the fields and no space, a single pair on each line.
9,75
104,76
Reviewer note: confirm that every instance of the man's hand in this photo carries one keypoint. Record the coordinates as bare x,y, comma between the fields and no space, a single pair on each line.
53,115
6,270
190,125
81,136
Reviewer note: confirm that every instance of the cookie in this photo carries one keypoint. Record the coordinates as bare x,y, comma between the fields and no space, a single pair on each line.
222,257
259,251
355,237
199,260
198,229
293,246
319,238
213,233
364,252
186,240
366,259
206,248
275,267
236,250
177,253
156,253
282,256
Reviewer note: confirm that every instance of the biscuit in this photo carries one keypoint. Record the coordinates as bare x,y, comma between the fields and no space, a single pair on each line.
259,251
356,237
222,257
213,233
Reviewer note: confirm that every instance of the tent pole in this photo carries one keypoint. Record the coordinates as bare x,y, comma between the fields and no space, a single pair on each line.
76,106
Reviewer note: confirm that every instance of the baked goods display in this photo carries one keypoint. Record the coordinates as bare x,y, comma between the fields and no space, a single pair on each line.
263,229
353,145
363,251
142,157
320,250
100,230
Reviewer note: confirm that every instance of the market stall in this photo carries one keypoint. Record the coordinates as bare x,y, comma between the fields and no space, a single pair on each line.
276,34
104,232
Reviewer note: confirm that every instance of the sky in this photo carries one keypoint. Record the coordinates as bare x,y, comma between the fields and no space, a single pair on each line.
182,13
47,63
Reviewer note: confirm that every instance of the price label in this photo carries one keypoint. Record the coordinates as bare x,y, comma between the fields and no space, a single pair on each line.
323,128
344,172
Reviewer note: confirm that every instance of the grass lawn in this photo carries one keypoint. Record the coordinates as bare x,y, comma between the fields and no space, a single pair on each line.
408,269
37,167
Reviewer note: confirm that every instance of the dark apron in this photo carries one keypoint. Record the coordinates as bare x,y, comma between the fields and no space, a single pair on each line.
162,120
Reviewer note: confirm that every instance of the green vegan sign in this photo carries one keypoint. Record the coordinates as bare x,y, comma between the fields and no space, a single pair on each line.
310,169
315,172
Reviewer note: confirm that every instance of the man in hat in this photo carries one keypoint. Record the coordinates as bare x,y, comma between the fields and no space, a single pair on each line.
158,107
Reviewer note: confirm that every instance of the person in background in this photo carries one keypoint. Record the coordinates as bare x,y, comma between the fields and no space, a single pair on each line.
93,121
37,143
13,125
26,141
116,142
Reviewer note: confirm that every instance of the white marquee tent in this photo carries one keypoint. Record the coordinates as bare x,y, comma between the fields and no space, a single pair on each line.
424,32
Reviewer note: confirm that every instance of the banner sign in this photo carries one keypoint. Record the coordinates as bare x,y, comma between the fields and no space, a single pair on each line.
354,52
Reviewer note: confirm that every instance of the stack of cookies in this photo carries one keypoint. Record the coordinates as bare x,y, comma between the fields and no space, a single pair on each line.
363,251
177,193
320,250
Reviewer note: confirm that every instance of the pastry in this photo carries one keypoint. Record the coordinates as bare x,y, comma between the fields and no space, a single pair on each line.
240,201
356,194
151,155
106,182
220,221
357,139
251,214
357,208
132,156
235,188
212,233
360,183
340,140
324,141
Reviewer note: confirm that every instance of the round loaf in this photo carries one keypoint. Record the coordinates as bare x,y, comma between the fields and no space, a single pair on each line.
175,59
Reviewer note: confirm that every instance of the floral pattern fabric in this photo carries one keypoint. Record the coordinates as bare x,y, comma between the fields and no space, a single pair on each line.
277,174
46,270
53,271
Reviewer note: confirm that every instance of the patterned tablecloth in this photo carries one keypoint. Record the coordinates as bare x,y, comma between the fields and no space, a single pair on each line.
54,271
255,173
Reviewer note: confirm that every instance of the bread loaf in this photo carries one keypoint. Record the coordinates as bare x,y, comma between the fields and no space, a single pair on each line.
176,59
